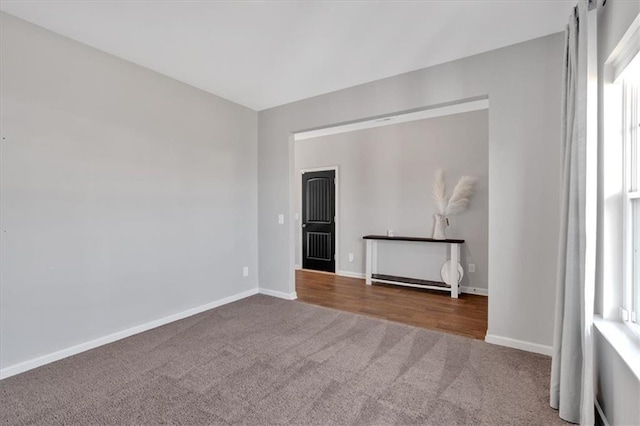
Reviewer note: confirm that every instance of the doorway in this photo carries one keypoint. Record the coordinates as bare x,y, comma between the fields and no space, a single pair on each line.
386,170
318,219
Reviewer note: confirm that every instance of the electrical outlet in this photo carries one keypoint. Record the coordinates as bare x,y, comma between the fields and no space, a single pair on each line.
350,257
281,219
245,271
472,268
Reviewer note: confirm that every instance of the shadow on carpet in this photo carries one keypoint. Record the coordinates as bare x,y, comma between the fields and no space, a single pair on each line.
269,361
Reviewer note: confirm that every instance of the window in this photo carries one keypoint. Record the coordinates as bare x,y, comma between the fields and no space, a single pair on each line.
631,120
618,301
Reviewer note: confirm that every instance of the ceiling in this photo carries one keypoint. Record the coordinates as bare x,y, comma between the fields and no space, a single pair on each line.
267,53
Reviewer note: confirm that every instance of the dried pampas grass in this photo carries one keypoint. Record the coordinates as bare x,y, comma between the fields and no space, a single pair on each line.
461,193
458,201
439,192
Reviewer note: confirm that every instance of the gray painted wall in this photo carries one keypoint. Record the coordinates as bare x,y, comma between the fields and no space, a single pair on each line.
126,196
523,83
385,182
617,388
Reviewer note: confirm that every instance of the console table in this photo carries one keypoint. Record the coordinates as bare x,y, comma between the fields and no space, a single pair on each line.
372,264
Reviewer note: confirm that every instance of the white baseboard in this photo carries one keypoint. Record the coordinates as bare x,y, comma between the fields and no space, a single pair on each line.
519,344
21,367
474,290
601,413
350,274
298,267
278,294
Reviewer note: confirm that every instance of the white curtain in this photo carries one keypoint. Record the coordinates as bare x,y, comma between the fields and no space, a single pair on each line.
572,365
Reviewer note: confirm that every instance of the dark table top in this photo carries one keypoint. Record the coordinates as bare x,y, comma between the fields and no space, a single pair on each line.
417,239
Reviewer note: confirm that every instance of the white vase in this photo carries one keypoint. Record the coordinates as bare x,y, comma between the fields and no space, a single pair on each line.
439,227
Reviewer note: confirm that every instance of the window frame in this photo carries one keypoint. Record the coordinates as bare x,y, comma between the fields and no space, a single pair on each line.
631,182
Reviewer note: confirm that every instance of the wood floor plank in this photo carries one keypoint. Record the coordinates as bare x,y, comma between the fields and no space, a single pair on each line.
465,316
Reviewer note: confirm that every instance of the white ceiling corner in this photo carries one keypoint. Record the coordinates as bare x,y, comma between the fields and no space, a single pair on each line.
262,54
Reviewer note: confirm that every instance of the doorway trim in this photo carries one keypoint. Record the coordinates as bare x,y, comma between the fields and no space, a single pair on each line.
298,213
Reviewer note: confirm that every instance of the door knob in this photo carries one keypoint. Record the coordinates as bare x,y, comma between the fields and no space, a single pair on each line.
304,225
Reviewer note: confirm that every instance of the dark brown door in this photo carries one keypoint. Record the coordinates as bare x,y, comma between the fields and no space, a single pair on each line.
318,221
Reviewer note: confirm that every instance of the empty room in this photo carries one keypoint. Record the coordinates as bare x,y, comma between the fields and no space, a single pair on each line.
320,212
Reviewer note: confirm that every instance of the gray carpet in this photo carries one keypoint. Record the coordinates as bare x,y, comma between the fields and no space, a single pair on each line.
267,361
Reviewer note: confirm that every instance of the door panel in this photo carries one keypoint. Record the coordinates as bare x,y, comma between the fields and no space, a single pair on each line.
318,221
319,246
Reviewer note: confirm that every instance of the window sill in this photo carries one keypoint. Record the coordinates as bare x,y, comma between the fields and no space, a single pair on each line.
623,340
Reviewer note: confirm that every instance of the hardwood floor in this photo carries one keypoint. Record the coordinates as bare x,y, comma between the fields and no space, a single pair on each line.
466,316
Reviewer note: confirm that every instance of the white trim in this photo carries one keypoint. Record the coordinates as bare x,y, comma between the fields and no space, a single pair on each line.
519,344
21,367
336,189
623,340
293,224
630,140
395,119
350,274
601,413
475,290
627,49
297,267
318,169
278,294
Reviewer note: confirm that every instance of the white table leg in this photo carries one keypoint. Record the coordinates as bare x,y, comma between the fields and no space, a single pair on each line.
374,257
453,272
368,254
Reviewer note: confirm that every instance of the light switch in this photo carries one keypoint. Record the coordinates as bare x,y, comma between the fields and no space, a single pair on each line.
281,219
